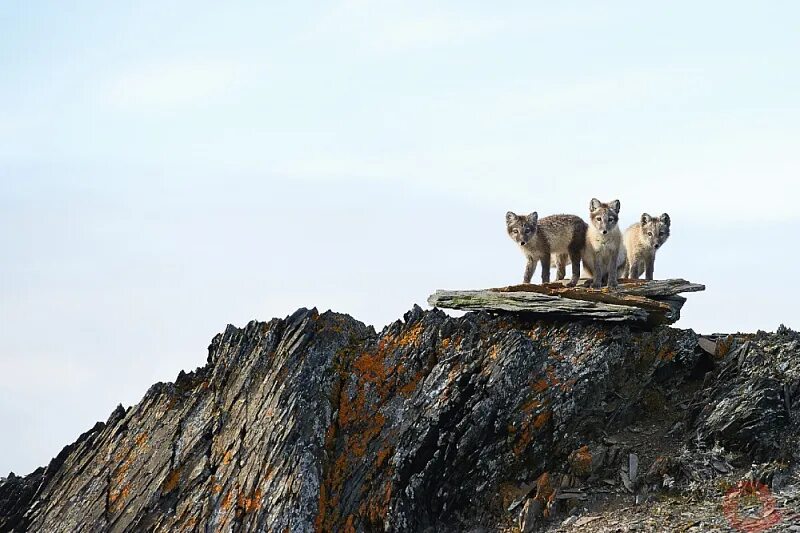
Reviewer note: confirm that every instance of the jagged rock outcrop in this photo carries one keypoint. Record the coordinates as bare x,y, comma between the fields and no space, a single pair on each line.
318,423
752,400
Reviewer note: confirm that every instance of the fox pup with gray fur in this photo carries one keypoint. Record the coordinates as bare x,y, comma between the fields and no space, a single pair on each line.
560,235
603,243
642,240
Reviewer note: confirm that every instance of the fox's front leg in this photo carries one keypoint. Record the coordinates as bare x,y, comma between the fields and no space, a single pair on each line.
649,267
561,267
597,281
545,259
529,268
612,272
575,258
635,267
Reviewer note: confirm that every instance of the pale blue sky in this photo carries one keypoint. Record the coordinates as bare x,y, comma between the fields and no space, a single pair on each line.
167,168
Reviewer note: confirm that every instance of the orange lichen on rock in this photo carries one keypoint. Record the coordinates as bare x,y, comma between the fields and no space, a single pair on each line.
117,497
457,341
225,504
228,457
493,351
525,436
723,347
542,419
540,385
534,416
172,481
580,461
526,433
377,504
370,368
373,377
189,524
544,489
551,376
383,455
411,383
545,493
249,504
531,405
410,386
120,471
412,336
118,490
358,442
360,423
665,355
141,438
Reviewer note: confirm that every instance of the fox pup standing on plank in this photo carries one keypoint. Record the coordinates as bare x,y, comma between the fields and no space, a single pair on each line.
560,235
642,240
603,243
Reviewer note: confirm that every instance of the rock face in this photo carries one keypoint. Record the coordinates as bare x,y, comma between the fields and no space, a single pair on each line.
318,423
752,401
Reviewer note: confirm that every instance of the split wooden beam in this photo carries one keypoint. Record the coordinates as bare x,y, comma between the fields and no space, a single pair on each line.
651,302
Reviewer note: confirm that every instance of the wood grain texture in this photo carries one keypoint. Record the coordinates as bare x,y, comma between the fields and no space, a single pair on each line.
654,302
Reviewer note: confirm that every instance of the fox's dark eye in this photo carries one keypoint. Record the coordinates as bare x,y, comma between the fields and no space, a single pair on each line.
612,219
598,219
661,234
650,233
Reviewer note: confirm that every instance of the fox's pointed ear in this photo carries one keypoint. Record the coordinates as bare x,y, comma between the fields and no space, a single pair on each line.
645,219
533,218
615,205
594,204
665,219
511,217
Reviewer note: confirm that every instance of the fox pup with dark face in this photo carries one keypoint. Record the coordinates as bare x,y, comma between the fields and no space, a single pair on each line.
560,235
603,243
642,240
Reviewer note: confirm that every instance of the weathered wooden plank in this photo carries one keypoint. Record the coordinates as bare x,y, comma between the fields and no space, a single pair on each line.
654,302
590,295
627,287
536,303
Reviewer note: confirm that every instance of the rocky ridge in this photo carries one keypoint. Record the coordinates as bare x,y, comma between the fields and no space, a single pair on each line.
483,422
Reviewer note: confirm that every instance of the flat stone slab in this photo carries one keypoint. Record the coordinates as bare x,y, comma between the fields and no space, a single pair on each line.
651,302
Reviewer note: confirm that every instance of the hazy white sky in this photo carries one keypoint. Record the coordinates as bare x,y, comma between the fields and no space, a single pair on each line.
167,168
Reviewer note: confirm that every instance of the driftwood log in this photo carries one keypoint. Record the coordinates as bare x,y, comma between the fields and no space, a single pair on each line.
650,302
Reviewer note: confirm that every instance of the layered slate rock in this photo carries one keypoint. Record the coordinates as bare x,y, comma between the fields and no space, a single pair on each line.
653,302
751,402
235,445
318,423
